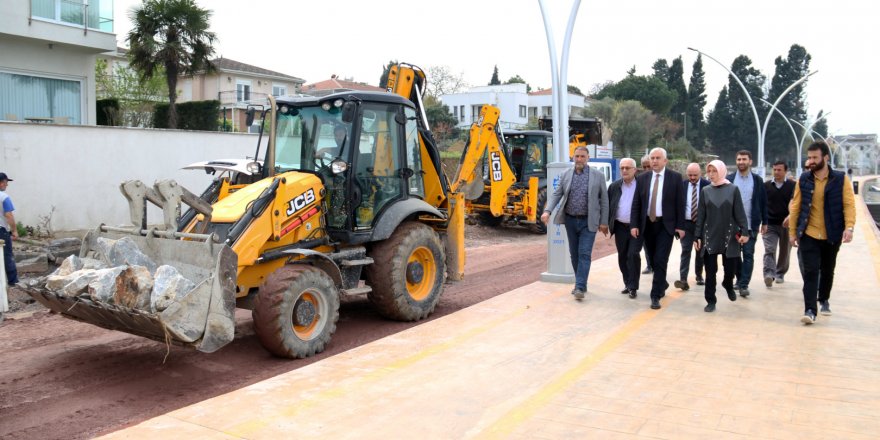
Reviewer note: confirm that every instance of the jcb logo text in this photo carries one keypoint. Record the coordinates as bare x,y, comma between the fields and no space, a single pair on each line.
300,202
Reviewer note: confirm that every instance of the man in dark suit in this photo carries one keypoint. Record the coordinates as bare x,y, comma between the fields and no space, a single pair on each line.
691,195
620,195
658,216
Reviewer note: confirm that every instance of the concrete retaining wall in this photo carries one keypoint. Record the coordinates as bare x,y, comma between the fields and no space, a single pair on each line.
77,169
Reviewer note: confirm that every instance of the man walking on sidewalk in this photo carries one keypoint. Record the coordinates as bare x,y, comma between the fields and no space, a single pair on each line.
691,193
823,214
779,193
583,200
754,197
658,216
620,196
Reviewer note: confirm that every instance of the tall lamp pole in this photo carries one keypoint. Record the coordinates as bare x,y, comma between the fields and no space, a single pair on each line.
685,118
761,132
807,131
793,133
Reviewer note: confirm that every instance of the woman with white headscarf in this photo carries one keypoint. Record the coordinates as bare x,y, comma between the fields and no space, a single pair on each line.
720,230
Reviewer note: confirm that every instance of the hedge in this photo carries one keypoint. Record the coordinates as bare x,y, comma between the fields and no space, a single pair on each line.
193,115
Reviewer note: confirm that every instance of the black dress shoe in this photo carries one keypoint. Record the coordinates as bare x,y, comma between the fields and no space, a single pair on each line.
700,282
682,284
731,295
655,303
709,308
647,271
624,291
633,294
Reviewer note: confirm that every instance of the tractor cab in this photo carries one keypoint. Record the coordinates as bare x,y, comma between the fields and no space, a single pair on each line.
365,148
529,151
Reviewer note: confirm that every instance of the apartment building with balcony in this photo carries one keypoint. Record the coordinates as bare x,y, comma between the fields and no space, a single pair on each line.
47,66
236,85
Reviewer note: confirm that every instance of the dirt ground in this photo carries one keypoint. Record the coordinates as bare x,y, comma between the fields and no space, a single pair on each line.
61,379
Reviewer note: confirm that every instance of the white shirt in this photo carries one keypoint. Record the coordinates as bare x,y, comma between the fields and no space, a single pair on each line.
687,199
662,174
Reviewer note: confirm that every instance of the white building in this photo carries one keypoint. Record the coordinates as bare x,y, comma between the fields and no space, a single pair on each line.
47,66
516,105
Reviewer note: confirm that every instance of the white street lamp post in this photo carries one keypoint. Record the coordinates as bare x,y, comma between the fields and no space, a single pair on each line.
793,133
807,131
761,132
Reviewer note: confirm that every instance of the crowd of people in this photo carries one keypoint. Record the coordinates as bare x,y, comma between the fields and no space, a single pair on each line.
718,214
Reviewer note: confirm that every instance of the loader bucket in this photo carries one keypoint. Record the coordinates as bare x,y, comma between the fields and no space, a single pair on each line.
204,318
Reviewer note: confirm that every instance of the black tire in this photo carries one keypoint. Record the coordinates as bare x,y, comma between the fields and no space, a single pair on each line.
539,227
407,273
291,289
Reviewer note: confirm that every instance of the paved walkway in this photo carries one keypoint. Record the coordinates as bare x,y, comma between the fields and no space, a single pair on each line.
534,363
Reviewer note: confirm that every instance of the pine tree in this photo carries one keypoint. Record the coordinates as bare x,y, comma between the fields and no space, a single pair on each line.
743,125
821,126
661,70
696,104
719,128
495,81
793,105
676,85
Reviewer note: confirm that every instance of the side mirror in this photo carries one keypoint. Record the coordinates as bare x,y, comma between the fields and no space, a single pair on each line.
406,173
348,111
250,116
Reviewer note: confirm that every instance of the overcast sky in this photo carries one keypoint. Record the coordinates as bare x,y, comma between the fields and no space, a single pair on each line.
354,39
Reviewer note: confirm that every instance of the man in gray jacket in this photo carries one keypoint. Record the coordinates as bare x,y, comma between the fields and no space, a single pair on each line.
583,209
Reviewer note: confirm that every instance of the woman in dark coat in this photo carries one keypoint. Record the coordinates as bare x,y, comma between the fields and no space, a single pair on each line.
720,230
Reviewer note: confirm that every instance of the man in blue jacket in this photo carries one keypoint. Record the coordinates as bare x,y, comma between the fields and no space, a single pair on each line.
754,197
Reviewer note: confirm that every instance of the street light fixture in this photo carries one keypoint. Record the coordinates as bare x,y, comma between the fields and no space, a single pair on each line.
684,117
807,131
761,133
793,133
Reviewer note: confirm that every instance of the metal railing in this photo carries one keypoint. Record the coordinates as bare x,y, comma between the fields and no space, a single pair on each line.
237,97
74,12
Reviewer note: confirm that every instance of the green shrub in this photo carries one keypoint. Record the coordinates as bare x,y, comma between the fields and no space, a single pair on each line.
193,115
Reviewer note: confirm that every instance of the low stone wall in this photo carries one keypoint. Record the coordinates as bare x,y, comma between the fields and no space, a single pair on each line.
68,176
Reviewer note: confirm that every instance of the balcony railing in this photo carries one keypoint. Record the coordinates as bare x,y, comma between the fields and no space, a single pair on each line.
240,97
94,14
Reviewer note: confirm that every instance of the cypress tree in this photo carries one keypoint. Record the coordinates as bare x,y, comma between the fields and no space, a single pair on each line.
495,81
676,85
719,128
793,105
661,70
696,104
744,131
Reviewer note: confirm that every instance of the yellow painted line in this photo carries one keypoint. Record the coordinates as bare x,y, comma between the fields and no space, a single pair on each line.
504,426
251,427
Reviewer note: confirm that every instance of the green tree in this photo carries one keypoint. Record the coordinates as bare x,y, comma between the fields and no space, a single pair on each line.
719,128
696,104
441,121
516,79
135,95
602,109
676,86
630,127
743,120
495,81
650,91
793,105
661,70
821,126
575,90
383,79
172,34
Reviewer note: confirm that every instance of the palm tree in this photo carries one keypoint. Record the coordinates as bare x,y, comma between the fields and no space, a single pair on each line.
172,34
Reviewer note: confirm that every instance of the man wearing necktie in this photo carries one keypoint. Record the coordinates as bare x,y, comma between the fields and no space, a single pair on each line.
691,187
658,216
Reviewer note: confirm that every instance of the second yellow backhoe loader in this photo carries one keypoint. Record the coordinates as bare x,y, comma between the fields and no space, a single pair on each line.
349,199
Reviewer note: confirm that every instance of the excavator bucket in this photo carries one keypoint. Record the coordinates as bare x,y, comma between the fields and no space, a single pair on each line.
201,316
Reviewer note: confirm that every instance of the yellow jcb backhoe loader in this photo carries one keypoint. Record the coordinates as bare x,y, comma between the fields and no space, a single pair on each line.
349,199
